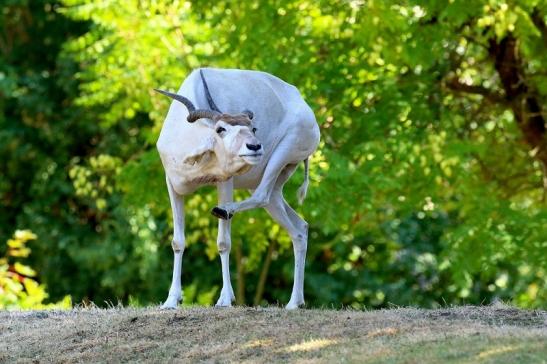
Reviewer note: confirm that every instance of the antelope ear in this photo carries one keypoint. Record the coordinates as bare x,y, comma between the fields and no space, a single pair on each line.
203,153
249,113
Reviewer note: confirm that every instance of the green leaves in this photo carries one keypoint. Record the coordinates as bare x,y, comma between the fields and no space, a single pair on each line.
18,286
423,190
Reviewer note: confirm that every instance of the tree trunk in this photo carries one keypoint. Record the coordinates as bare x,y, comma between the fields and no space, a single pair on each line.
240,290
523,101
264,274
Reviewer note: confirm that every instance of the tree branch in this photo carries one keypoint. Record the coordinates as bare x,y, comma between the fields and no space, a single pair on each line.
538,21
488,94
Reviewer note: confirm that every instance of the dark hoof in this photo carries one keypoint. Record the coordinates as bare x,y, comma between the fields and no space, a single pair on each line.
221,214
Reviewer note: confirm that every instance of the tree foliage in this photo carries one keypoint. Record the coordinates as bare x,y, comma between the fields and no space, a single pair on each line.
18,287
429,186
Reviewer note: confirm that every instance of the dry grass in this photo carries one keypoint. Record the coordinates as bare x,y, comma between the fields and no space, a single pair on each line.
493,334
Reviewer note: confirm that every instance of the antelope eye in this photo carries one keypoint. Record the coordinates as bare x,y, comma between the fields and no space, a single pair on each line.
254,130
220,129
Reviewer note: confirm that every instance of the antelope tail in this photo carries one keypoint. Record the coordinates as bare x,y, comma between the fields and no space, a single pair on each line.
303,189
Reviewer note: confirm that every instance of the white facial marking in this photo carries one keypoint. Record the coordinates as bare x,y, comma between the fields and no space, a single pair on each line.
240,142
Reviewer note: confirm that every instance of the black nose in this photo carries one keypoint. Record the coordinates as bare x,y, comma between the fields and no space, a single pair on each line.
254,147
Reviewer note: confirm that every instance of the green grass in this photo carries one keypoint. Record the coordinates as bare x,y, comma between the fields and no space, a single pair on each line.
493,334
469,350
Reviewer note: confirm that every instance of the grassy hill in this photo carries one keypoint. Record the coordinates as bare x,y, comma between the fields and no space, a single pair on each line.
493,334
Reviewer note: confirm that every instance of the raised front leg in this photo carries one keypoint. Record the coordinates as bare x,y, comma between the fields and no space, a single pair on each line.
178,243
224,244
282,155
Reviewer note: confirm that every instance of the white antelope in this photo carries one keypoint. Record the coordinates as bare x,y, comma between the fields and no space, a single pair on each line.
237,148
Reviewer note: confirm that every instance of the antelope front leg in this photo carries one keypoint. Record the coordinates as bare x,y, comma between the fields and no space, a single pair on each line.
224,244
177,206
